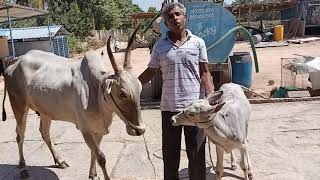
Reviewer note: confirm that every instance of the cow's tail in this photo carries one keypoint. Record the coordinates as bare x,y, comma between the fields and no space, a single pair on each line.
4,114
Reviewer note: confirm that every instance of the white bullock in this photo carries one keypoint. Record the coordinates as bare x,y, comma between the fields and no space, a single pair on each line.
81,92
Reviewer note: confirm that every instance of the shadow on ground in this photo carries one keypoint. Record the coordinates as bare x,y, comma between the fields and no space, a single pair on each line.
183,174
12,172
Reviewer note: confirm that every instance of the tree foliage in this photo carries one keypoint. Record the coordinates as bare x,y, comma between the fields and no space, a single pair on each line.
152,10
80,17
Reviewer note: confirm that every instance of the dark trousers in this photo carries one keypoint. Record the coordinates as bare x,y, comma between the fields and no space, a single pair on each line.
171,145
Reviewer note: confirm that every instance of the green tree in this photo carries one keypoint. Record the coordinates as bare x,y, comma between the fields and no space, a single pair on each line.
152,10
127,8
39,4
80,22
107,15
80,17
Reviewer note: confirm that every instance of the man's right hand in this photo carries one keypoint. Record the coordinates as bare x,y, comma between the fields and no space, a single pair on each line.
147,75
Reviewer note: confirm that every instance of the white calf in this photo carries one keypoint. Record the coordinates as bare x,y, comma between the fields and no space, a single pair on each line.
225,123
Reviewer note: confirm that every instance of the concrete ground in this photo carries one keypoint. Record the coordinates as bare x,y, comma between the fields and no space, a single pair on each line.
283,141
283,137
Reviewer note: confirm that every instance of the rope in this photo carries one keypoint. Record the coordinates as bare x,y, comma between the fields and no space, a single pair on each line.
212,166
149,158
186,176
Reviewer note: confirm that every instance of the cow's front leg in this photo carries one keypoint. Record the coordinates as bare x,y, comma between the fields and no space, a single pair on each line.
219,165
93,145
45,124
93,171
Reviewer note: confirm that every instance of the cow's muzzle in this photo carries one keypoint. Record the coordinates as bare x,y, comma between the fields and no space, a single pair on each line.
174,121
136,130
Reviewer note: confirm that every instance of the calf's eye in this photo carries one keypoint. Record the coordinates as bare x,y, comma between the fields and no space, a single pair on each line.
191,114
123,95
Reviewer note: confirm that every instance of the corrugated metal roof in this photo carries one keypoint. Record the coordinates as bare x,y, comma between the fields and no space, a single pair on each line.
18,12
30,32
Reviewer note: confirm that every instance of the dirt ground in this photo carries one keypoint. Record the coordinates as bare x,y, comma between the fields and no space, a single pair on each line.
270,62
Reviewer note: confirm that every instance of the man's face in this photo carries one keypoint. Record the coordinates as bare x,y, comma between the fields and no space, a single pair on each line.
176,20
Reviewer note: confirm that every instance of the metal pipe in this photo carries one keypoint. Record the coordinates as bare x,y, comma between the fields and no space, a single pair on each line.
12,44
50,39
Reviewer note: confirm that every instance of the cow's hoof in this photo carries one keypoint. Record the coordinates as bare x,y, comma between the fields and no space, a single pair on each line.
24,174
233,167
63,165
217,177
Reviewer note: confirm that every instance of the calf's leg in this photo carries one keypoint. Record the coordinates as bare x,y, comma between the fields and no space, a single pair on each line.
219,165
45,124
94,147
250,175
245,164
233,161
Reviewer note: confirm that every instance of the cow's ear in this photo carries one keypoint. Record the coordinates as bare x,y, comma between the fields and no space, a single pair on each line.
107,85
214,96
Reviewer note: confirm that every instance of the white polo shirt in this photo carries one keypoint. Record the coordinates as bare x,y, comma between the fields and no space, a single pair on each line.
180,71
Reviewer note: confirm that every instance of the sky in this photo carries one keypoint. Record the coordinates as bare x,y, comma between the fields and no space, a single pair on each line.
145,4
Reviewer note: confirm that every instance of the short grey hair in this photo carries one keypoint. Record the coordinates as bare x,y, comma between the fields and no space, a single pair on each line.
168,7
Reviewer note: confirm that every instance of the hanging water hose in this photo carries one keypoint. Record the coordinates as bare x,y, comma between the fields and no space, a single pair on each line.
249,37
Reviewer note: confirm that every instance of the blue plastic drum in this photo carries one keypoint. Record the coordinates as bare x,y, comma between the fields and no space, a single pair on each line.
241,63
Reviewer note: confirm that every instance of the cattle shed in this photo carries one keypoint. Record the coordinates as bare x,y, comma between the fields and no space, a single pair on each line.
305,16
10,12
50,39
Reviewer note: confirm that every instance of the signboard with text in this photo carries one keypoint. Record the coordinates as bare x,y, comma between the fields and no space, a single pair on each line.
210,21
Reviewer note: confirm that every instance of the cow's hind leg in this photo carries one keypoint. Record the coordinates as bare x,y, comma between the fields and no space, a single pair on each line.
219,165
45,124
91,141
21,118
245,164
93,171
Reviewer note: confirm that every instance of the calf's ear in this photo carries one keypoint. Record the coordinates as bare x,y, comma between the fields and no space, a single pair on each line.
218,107
107,85
214,96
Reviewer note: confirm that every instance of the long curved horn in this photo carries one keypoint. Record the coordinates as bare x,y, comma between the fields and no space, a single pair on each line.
127,56
111,57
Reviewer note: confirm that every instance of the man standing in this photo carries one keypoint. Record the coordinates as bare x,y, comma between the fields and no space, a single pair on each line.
182,58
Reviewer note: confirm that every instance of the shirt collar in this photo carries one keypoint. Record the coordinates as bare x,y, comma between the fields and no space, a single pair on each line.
189,34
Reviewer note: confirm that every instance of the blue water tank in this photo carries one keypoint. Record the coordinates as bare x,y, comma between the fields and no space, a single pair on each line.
241,64
210,21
